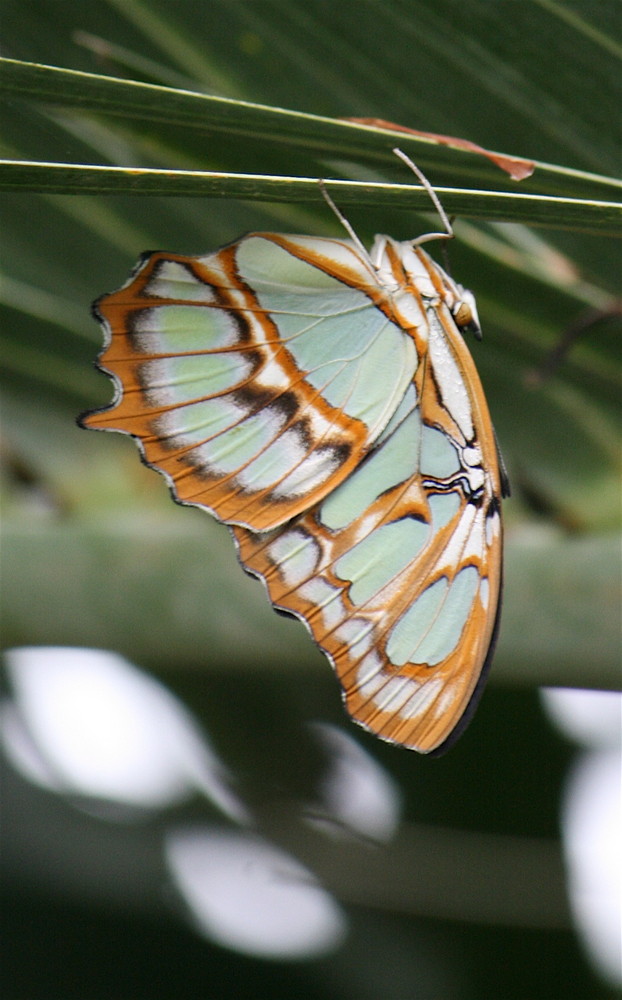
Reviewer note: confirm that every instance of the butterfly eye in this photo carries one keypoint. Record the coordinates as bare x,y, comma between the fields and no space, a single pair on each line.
465,314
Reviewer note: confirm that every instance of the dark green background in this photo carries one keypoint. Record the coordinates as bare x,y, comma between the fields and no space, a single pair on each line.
95,554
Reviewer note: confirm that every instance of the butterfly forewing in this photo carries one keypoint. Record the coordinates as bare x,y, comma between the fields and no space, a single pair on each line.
250,377
327,408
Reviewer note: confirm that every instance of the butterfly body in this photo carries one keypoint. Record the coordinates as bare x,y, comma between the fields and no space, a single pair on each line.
323,403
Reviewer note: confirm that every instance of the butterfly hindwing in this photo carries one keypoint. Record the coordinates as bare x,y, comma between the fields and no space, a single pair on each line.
255,378
398,572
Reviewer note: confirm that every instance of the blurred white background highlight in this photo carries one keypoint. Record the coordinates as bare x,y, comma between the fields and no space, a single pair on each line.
87,722
592,819
252,897
356,795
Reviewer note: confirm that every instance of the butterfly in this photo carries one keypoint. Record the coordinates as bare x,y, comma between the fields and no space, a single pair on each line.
322,402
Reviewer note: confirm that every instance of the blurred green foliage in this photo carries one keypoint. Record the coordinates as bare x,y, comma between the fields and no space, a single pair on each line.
94,552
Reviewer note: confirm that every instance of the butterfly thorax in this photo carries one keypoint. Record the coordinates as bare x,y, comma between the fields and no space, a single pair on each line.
403,266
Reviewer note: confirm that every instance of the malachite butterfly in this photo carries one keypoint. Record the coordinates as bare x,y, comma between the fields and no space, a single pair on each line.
322,402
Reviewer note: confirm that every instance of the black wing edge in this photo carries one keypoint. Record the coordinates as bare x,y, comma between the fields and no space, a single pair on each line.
506,486
97,316
469,711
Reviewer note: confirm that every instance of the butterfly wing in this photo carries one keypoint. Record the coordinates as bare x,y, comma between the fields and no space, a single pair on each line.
397,573
255,378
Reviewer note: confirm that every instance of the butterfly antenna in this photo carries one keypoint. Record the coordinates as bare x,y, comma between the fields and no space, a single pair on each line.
344,222
449,233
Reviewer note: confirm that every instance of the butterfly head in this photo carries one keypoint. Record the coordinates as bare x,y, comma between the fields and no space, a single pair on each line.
464,312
